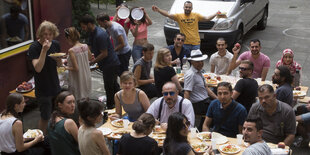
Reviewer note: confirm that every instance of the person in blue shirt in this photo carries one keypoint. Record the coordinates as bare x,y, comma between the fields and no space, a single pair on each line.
225,115
100,44
178,50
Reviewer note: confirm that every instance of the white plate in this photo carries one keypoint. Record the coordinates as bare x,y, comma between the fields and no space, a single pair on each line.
200,135
105,131
123,13
137,13
219,138
200,151
25,91
299,93
114,123
32,133
233,152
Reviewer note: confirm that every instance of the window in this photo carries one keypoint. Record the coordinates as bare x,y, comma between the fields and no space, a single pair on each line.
16,24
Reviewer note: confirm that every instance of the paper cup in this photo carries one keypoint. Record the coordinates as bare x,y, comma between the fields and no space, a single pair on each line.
239,139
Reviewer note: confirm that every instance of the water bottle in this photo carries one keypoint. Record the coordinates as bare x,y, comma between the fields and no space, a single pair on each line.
178,67
185,65
297,78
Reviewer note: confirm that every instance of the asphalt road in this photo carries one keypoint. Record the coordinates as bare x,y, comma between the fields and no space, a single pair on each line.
287,27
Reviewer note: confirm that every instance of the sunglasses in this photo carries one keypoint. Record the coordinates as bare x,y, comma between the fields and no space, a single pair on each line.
170,93
243,68
179,39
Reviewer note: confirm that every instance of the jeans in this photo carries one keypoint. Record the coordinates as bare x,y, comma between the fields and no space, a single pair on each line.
192,47
124,60
110,84
136,52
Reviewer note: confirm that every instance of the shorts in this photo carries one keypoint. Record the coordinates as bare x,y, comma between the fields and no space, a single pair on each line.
46,106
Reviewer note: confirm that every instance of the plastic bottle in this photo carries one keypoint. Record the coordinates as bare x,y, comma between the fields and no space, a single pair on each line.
178,67
297,78
185,65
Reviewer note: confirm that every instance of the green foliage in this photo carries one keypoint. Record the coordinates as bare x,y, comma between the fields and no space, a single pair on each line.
79,9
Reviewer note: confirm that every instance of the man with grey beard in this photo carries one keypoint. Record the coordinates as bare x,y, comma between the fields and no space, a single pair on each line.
170,103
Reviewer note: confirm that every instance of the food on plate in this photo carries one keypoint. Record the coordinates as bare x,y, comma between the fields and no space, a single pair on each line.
298,88
32,133
25,86
158,129
160,141
204,136
57,54
299,93
118,133
211,81
118,123
200,147
230,148
281,145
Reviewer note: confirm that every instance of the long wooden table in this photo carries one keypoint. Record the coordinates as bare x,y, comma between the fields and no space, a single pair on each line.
193,140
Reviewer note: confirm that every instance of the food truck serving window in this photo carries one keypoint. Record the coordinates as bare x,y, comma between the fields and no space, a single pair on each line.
16,25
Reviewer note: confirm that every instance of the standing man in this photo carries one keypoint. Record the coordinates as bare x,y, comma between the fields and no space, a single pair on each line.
279,123
45,76
220,60
226,115
252,133
178,50
170,103
188,22
245,90
283,77
195,87
261,61
118,34
100,44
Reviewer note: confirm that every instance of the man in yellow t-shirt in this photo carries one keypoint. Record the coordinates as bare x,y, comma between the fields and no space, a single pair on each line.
188,22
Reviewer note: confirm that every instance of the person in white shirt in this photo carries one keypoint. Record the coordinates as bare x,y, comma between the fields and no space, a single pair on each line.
252,133
170,103
220,60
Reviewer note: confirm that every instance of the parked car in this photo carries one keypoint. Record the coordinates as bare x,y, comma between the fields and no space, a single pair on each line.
242,15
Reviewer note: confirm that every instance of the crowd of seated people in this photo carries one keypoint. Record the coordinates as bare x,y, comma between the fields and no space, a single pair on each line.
178,105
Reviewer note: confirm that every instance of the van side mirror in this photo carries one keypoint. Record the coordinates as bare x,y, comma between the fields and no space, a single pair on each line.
246,1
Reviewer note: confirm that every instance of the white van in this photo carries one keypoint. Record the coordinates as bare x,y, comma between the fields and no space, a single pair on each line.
242,15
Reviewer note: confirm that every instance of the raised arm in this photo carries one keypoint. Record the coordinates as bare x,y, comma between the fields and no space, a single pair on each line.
147,17
234,63
208,18
38,64
162,12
